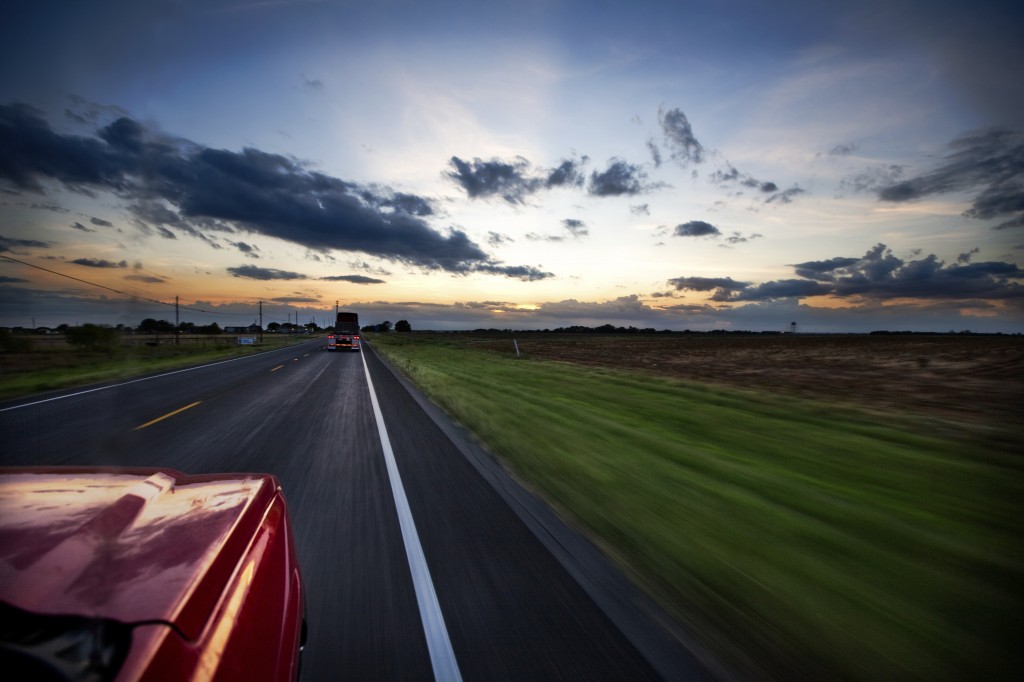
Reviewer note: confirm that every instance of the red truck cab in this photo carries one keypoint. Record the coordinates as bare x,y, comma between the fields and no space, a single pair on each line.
146,574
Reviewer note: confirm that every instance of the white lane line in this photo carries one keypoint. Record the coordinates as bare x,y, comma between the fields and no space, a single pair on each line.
442,657
135,381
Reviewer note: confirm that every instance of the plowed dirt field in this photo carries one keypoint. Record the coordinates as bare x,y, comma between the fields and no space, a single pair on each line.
966,377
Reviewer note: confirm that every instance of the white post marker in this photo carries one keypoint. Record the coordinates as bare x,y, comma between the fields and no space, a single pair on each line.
442,657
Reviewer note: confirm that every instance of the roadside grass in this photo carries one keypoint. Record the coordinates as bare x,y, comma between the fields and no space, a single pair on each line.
793,538
31,371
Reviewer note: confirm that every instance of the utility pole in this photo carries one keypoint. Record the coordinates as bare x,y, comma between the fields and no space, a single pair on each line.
177,324
261,321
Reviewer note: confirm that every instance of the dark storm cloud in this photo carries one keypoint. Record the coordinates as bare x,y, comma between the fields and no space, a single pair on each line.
99,263
520,272
513,180
618,179
178,185
707,284
987,163
823,270
249,250
696,228
679,135
6,244
509,180
878,276
399,201
254,272
569,173
354,279
786,288
966,256
79,226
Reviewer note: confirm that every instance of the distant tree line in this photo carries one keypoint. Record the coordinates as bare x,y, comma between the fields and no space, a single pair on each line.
385,326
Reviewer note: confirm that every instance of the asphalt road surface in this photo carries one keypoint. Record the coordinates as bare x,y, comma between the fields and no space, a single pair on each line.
518,596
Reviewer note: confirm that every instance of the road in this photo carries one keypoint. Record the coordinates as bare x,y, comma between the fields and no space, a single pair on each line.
519,595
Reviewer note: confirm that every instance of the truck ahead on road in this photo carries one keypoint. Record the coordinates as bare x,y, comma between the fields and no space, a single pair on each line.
346,333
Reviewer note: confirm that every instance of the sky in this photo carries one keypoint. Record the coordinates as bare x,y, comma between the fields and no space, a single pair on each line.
700,165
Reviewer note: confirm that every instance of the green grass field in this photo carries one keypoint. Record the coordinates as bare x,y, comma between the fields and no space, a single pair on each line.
795,539
56,365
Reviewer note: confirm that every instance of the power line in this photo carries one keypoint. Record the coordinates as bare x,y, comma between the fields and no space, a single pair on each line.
117,291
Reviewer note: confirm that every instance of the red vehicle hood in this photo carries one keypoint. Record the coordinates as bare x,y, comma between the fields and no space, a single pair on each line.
133,545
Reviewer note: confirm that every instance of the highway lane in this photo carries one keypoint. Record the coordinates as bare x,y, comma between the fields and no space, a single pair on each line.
512,610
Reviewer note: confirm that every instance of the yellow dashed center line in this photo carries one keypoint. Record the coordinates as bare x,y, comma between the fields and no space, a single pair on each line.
169,414
277,368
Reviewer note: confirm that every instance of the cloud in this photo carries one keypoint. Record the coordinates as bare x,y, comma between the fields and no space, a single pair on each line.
254,272
872,179
99,263
987,163
509,180
148,279
11,280
8,244
295,299
731,175
620,178
524,273
824,270
723,287
554,238
965,257
577,228
79,226
738,238
354,279
679,136
783,197
843,149
878,276
312,83
101,222
569,173
696,228
640,209
655,153
497,239
512,180
250,250
180,186
786,288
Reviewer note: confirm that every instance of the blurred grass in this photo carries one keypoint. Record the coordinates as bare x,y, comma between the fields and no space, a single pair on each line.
29,371
793,538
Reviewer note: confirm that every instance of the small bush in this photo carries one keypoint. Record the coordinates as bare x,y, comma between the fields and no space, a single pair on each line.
93,337
11,343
